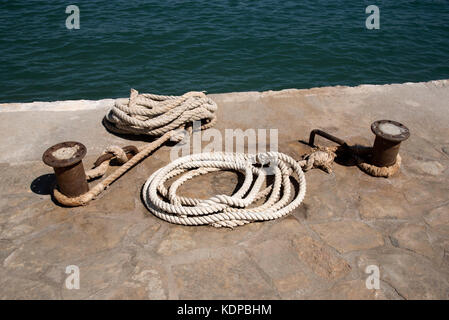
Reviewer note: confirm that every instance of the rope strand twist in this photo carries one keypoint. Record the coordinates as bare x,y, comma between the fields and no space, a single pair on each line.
223,210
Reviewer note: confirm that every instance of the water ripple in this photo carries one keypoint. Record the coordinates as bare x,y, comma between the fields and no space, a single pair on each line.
173,46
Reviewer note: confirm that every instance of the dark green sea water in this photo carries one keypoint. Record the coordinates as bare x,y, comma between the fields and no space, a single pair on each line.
171,47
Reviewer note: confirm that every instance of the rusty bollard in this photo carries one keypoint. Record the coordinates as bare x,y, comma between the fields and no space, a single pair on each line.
389,135
66,160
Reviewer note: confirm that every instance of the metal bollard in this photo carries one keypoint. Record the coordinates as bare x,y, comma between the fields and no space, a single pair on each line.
66,160
389,135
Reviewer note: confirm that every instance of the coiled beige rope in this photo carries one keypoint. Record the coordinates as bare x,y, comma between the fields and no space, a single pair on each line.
223,210
154,115
147,114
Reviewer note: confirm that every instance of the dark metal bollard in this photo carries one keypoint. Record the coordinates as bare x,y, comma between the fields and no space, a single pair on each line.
66,160
389,135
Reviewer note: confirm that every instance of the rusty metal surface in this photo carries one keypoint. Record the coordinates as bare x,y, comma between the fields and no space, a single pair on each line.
70,174
72,180
51,161
386,146
326,135
376,129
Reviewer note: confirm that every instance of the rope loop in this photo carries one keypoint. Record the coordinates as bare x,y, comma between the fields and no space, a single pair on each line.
224,210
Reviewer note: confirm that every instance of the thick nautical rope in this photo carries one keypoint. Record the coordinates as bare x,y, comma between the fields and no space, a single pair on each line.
147,114
361,154
323,158
155,115
320,157
223,210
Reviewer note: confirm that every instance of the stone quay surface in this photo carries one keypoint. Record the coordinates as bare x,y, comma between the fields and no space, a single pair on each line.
347,222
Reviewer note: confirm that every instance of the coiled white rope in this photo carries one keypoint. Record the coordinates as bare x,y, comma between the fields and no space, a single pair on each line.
224,210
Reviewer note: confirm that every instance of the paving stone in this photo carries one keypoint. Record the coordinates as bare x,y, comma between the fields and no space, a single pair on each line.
18,177
145,285
283,229
425,167
415,237
25,289
74,240
224,237
143,232
425,194
147,280
20,212
119,200
232,276
327,197
346,236
158,159
98,273
350,290
385,204
10,204
438,219
386,227
180,239
33,220
15,232
412,276
445,150
6,248
421,147
320,259
205,186
445,246
324,205
280,262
